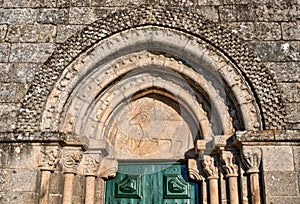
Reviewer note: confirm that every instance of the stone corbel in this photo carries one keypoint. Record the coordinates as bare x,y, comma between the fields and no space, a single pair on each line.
108,168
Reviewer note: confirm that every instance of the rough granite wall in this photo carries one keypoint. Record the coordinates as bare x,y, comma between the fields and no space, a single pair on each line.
31,29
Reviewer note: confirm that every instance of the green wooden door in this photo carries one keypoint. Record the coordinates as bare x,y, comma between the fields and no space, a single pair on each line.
158,183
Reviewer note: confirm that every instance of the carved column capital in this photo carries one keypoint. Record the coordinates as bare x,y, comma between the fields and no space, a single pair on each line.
108,168
229,166
251,158
70,161
193,170
209,167
49,158
91,165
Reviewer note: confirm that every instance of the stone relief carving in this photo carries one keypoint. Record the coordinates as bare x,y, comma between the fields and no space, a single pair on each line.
148,126
70,161
251,158
209,167
193,170
49,159
108,168
230,168
91,165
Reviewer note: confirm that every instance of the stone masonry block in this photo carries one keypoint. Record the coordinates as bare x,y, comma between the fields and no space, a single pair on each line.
296,151
4,52
281,184
290,30
66,31
290,92
82,15
3,30
285,71
11,92
28,3
8,117
277,159
31,33
17,72
17,16
53,16
293,110
244,30
267,31
30,52
12,197
56,183
282,199
23,180
277,50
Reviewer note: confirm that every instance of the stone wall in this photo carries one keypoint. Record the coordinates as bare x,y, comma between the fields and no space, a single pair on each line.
31,30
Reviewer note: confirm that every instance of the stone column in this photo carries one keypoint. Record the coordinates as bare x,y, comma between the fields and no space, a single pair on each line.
91,165
48,162
251,158
70,161
212,172
231,170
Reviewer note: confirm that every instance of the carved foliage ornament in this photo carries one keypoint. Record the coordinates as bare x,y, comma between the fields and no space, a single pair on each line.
230,168
251,158
91,165
49,159
70,161
209,167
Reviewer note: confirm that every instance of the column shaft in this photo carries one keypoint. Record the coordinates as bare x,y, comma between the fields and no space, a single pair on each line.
68,188
213,191
255,192
233,190
90,189
44,189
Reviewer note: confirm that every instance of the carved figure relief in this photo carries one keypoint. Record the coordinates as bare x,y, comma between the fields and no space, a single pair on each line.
49,159
148,126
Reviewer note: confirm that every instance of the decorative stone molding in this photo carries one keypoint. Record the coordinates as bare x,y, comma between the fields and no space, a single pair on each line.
193,170
181,19
230,168
49,158
209,167
91,165
108,168
251,158
70,161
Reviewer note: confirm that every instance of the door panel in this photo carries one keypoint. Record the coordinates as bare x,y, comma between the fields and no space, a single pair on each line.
159,183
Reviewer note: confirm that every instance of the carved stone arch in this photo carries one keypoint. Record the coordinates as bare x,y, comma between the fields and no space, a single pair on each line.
223,70
217,37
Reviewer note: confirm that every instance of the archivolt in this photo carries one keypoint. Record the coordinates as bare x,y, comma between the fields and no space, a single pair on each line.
187,21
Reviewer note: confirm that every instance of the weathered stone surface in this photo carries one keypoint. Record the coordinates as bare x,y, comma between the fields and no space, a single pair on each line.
290,92
17,16
11,92
210,12
244,30
56,183
17,72
280,183
8,116
231,13
28,3
283,161
4,52
65,31
296,151
87,15
31,33
267,31
29,52
290,31
285,71
3,30
53,16
25,177
13,197
54,198
273,51
283,199
293,110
